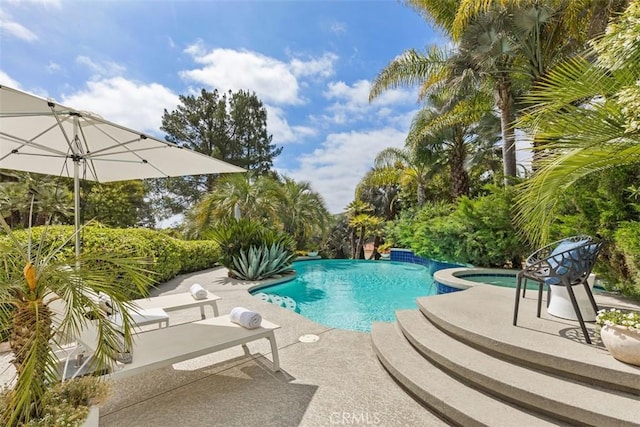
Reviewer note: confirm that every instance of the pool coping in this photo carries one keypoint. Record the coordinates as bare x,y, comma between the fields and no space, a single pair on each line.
449,277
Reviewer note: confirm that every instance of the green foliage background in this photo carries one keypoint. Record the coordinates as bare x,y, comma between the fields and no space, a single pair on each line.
474,231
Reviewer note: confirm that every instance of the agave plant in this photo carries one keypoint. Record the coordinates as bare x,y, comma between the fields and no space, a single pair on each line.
35,276
262,262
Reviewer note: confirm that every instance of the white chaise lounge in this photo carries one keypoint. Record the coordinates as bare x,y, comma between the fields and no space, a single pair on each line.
166,346
179,301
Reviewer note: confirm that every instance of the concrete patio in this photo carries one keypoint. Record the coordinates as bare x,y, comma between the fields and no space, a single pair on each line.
335,381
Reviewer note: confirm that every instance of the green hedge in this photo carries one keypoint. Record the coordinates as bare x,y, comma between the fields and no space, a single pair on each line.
168,256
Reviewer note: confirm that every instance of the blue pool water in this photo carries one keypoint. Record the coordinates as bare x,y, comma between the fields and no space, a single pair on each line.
348,294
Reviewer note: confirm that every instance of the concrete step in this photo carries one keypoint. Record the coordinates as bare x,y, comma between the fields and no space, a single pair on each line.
443,394
482,316
556,396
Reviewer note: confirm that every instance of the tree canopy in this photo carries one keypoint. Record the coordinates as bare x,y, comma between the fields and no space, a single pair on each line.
229,126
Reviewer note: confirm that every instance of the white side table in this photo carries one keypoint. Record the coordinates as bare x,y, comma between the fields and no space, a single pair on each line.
560,303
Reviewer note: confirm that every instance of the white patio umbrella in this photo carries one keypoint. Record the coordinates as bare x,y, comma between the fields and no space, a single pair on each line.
39,135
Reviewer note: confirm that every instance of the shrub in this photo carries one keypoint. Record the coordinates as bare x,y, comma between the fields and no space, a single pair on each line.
476,231
251,251
67,404
167,256
627,242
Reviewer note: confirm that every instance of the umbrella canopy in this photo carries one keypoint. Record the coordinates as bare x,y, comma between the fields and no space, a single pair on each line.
39,135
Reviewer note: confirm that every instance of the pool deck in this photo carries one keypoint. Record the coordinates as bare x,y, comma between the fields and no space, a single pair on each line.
335,381
338,380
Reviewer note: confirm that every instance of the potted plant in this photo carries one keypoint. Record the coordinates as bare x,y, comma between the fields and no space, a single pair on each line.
620,333
35,275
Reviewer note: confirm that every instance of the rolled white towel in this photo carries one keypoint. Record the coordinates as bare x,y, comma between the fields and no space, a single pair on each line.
245,317
198,292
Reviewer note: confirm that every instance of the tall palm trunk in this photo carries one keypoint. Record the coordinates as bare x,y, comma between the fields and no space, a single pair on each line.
505,104
422,194
354,248
459,175
360,252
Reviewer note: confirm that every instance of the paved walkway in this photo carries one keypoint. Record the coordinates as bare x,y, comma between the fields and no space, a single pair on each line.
335,381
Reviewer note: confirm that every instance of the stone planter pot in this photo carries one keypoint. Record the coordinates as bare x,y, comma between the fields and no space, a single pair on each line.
622,343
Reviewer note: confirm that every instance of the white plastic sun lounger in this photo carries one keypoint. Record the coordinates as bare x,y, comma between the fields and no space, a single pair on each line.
161,347
178,302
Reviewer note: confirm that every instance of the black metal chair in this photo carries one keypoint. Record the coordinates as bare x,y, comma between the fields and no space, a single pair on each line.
566,263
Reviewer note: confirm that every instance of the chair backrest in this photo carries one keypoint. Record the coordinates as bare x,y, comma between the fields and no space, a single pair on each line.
557,247
573,265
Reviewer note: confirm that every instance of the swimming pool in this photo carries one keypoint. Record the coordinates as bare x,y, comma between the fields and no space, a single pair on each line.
351,294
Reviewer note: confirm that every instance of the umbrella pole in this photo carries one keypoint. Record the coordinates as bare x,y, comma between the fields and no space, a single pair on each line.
76,204
76,187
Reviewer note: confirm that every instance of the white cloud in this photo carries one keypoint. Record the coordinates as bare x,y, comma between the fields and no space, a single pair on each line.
279,127
101,69
53,67
5,79
322,67
352,102
15,29
128,103
337,166
274,81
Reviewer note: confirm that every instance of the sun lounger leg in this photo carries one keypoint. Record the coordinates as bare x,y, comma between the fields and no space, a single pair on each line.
246,350
274,352
214,306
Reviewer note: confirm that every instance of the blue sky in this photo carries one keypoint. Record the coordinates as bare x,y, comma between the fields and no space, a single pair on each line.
310,62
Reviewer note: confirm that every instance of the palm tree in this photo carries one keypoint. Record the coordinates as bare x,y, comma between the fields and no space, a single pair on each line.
448,124
34,277
301,212
256,196
52,202
586,114
358,213
508,45
380,187
418,165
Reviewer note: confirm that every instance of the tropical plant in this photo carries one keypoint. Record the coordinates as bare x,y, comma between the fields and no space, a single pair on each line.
359,217
34,277
503,45
33,198
245,246
476,231
337,243
262,262
586,115
418,166
301,211
255,196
